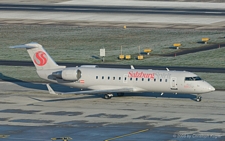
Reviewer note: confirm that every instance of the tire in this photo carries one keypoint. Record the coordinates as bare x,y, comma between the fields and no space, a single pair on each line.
106,96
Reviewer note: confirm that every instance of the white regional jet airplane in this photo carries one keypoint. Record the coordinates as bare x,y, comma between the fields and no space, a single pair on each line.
107,80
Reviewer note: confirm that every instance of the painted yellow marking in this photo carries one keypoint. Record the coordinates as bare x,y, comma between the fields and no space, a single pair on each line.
62,138
122,136
3,136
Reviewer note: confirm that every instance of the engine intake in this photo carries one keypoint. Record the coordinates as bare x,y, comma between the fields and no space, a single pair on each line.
68,74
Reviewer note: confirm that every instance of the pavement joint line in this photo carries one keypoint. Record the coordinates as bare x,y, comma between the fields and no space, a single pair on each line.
125,135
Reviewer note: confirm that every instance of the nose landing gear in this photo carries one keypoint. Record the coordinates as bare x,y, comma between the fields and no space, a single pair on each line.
199,98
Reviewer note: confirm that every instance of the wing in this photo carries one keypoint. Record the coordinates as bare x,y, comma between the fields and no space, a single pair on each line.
51,91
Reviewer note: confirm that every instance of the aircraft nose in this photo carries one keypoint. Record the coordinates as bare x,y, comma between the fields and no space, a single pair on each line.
211,88
207,87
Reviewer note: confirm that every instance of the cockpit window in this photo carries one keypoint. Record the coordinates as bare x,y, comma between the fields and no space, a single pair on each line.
197,78
192,78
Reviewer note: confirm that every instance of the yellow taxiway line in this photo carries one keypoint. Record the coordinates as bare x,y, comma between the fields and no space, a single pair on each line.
145,130
3,136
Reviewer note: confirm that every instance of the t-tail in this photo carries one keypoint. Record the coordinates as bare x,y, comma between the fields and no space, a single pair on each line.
39,56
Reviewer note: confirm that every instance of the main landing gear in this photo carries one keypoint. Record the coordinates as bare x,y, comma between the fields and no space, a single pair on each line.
108,96
199,98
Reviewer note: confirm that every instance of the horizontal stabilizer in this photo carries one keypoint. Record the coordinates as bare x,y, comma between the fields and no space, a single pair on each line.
27,46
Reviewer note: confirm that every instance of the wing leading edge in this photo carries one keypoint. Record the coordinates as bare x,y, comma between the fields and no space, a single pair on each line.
122,90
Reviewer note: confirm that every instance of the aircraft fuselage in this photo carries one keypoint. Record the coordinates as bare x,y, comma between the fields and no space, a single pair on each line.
138,79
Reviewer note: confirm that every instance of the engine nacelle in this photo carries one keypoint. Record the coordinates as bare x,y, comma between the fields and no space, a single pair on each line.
68,74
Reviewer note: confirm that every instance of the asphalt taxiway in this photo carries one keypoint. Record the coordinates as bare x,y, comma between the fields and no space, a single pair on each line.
28,112
110,9
117,13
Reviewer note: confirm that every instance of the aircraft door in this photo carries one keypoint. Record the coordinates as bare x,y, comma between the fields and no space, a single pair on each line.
125,77
173,83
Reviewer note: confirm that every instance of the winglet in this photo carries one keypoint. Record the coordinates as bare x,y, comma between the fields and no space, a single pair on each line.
132,67
50,90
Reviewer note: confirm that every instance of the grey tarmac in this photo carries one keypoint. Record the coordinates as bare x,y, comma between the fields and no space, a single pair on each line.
28,112
87,17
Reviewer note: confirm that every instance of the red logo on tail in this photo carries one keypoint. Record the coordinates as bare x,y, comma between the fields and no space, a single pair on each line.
40,58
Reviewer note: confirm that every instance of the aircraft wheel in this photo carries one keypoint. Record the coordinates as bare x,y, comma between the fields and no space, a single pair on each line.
199,98
108,96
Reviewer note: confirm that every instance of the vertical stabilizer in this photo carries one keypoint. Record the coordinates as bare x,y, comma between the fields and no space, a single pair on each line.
41,59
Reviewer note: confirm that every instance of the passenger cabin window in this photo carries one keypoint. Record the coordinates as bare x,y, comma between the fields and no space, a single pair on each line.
136,79
154,79
96,77
114,78
142,79
108,77
119,78
130,79
192,78
102,77
160,80
148,79
165,80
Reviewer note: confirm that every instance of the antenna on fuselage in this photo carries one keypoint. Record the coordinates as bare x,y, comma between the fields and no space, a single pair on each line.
167,69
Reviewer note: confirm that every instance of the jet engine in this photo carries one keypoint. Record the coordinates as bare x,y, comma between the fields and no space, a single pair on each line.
68,74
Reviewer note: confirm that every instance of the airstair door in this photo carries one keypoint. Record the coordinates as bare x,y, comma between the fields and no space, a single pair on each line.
173,83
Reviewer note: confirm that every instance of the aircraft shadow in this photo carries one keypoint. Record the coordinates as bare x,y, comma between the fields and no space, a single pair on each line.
37,86
165,95
66,99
